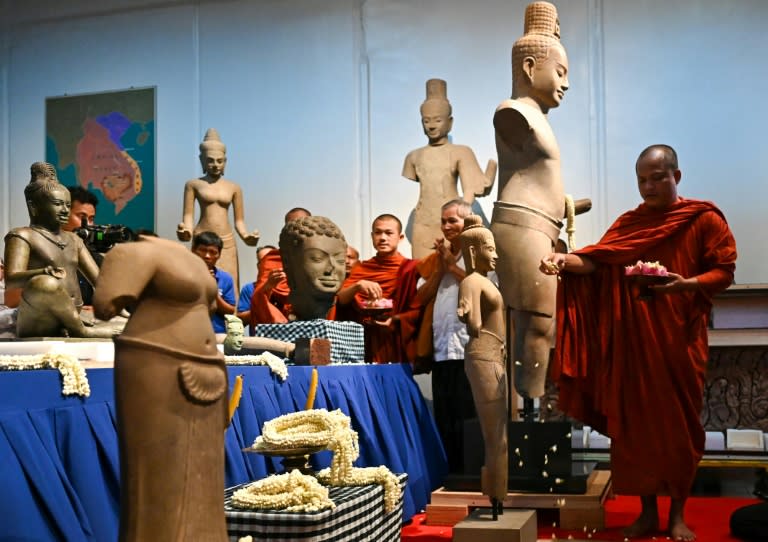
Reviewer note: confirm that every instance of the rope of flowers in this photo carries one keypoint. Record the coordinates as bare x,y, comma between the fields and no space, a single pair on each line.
275,364
570,221
292,492
319,427
74,378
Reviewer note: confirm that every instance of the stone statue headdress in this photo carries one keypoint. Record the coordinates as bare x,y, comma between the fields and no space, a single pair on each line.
541,31
473,234
43,180
212,142
437,94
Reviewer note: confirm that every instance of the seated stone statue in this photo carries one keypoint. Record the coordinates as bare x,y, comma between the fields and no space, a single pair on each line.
314,255
42,261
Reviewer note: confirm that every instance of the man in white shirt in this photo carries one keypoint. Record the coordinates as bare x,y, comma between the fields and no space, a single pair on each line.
442,271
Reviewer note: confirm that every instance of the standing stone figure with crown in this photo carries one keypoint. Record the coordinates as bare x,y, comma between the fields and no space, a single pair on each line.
438,167
527,218
215,194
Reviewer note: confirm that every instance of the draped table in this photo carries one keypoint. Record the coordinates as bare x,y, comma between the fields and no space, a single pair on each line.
59,464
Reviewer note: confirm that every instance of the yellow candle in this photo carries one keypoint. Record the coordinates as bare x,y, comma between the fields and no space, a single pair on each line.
312,390
234,399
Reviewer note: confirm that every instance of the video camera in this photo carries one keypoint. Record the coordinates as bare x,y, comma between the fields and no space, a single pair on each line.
101,238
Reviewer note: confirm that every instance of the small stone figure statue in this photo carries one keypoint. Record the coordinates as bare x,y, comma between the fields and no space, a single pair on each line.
215,194
314,255
482,309
438,167
527,218
170,392
42,260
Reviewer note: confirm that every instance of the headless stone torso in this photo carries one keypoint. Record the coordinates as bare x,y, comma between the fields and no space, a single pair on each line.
529,159
526,222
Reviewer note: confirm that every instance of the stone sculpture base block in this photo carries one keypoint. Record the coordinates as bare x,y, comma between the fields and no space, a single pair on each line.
312,351
575,511
512,526
347,341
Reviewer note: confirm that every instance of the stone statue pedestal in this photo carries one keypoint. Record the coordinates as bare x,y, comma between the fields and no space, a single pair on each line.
512,526
539,459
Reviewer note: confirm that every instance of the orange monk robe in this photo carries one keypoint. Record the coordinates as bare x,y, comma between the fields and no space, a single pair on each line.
397,277
634,369
270,306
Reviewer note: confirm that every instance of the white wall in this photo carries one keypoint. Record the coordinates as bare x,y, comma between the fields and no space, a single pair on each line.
317,100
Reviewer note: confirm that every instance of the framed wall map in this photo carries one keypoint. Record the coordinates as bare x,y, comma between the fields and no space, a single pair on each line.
105,142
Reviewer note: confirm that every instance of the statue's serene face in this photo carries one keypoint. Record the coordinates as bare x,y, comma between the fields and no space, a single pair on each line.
437,122
485,254
323,266
550,78
51,210
213,162
235,335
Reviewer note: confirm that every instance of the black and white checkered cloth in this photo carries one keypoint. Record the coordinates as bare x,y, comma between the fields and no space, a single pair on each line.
358,517
347,339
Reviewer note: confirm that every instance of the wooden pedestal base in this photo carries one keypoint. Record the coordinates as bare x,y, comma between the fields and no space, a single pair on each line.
512,526
576,511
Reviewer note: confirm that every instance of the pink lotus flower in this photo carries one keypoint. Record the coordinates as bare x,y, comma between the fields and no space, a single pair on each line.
654,269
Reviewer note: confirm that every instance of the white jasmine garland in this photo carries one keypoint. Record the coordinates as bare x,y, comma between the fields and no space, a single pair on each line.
74,378
570,225
292,492
275,364
333,430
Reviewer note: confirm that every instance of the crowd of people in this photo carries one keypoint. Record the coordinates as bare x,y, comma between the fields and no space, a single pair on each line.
602,364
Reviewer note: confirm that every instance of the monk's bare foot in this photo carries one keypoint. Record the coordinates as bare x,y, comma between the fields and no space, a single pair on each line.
643,525
680,531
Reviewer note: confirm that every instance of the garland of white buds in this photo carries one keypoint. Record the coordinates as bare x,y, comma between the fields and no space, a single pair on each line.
275,364
292,492
368,475
333,430
74,379
570,222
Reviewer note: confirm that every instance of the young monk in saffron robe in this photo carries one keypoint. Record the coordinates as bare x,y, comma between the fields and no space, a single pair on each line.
634,368
388,275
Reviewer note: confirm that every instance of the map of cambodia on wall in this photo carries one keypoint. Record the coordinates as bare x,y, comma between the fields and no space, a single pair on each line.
105,142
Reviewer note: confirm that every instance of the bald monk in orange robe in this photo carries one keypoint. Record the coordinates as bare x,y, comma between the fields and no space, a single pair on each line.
634,368
388,275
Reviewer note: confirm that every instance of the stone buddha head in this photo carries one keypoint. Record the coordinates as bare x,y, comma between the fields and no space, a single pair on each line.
313,251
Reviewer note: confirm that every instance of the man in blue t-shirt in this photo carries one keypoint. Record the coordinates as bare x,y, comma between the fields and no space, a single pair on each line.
208,246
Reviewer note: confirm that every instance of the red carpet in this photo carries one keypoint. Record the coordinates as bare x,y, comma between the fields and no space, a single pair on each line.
707,516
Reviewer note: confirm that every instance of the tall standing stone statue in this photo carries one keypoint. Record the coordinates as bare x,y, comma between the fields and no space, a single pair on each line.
215,194
42,260
170,392
314,257
482,309
438,167
527,218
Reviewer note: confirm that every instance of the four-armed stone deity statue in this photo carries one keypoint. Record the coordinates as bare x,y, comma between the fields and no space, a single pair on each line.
314,256
215,194
527,217
438,167
482,309
42,260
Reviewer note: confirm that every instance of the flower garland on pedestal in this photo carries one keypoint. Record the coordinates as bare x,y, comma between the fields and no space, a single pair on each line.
333,430
292,492
74,379
275,364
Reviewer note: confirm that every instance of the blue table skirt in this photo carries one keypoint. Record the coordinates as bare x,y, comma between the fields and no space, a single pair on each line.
59,465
